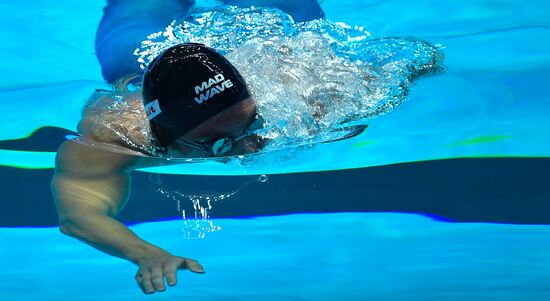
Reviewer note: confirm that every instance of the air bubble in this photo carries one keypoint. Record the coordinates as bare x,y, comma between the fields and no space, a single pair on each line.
263,178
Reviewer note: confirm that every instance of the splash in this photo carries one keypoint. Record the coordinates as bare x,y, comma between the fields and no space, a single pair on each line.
201,223
308,79
101,127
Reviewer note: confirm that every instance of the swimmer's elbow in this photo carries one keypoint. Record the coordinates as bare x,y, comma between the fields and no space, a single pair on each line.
65,225
74,226
64,221
63,228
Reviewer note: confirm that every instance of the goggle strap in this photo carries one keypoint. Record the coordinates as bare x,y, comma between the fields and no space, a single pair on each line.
191,144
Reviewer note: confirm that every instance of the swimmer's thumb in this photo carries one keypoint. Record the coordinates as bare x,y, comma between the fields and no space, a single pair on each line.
193,265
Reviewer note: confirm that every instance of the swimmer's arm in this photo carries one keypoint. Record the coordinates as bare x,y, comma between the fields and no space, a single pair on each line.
88,194
86,213
88,198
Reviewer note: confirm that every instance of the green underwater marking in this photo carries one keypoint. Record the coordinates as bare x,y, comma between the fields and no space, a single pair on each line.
361,144
27,159
482,139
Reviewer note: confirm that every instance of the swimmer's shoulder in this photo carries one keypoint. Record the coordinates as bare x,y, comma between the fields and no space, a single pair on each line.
80,160
108,123
116,120
74,159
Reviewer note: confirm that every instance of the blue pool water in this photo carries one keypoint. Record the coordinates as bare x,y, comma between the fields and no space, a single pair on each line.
373,217
299,257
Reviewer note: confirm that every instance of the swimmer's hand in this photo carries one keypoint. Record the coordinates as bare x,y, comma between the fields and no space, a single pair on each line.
154,267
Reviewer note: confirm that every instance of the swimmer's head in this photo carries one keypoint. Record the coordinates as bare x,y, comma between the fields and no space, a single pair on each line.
193,97
187,85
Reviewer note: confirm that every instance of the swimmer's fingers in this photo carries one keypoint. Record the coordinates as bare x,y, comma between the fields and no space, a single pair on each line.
152,271
170,270
157,278
191,264
150,278
143,278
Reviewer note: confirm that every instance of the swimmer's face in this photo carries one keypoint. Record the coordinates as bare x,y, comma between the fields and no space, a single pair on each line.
231,123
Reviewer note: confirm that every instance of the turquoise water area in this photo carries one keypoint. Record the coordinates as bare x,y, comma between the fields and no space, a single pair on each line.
298,257
490,102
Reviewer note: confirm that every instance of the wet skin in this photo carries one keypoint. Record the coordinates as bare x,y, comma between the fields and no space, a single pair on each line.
91,187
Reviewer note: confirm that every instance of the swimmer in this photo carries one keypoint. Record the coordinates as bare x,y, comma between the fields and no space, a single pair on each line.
195,103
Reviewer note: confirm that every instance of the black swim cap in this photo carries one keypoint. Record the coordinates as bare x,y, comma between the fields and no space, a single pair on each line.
186,85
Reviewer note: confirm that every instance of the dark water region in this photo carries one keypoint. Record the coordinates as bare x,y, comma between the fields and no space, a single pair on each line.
44,139
495,190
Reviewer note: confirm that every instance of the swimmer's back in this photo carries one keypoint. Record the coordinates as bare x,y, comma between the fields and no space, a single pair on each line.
124,25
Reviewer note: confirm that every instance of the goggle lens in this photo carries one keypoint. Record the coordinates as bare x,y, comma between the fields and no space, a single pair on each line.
222,146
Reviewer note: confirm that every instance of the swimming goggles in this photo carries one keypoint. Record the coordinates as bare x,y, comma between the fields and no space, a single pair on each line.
220,147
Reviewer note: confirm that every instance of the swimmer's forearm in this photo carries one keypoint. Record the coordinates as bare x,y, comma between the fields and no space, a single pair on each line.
110,236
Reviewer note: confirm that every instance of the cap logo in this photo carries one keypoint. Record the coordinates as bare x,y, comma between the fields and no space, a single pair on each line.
211,87
152,109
